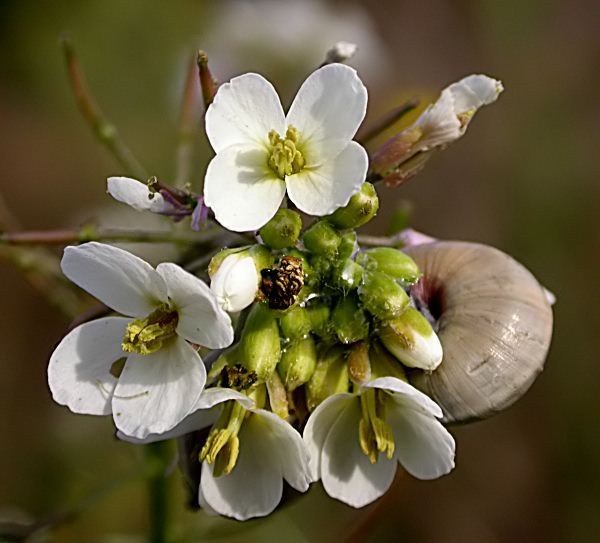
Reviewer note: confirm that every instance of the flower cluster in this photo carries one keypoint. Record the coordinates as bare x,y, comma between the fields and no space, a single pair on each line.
294,360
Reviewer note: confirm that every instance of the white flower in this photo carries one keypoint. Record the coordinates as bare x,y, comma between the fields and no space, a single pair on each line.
163,375
356,441
235,283
261,152
446,120
255,450
136,194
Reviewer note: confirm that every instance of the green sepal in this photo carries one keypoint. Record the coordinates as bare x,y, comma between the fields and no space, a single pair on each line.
322,239
382,296
295,323
260,345
298,361
361,208
392,262
330,377
349,320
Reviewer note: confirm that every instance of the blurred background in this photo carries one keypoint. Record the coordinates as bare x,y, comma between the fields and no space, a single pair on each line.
525,179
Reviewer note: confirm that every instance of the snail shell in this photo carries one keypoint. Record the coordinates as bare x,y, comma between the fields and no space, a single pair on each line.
494,323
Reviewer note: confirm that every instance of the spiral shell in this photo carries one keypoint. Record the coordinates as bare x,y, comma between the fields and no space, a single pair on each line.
494,323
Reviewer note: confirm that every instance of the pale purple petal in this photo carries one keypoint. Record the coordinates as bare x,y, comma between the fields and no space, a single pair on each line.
157,391
241,189
322,190
201,319
79,369
244,111
122,281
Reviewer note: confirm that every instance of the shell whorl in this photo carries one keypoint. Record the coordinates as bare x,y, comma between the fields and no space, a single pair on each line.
494,323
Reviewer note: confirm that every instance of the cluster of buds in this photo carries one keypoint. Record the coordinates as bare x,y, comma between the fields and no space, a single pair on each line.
323,313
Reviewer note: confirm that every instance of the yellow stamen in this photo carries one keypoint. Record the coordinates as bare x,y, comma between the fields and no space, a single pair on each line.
146,336
374,434
222,446
285,158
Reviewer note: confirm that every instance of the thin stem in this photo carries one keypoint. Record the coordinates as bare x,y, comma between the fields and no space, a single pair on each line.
158,461
104,131
188,127
66,236
388,121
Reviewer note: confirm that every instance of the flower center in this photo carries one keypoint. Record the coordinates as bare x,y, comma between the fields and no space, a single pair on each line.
374,434
146,336
222,446
285,158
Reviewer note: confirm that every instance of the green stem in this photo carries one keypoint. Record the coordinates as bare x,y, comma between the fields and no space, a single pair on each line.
158,457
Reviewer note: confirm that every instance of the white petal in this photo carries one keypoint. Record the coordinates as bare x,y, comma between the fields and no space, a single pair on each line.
474,91
286,446
423,446
204,413
318,426
135,193
346,472
439,123
243,111
79,369
328,110
322,190
254,486
235,284
240,188
155,392
201,320
409,394
122,281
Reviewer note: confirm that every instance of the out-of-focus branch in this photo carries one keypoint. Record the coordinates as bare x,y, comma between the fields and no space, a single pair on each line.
188,126
104,131
386,122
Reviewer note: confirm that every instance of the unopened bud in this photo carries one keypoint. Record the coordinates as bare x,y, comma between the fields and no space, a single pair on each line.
348,275
298,361
259,345
411,340
322,239
349,320
295,323
330,377
392,262
348,245
319,315
382,296
361,208
282,230
359,365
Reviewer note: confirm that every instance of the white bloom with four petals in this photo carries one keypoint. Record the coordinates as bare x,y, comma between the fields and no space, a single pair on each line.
270,450
415,439
162,376
261,152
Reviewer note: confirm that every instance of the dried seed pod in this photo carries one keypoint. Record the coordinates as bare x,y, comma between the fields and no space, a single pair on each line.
493,320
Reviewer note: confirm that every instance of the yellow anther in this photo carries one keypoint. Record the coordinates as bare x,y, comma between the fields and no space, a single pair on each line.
285,158
374,434
146,336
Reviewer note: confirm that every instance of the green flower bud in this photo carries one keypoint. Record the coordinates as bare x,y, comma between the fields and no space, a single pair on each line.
361,208
348,275
330,377
359,365
295,323
347,245
411,340
282,230
259,345
392,262
383,363
322,239
349,320
382,296
298,361
319,315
